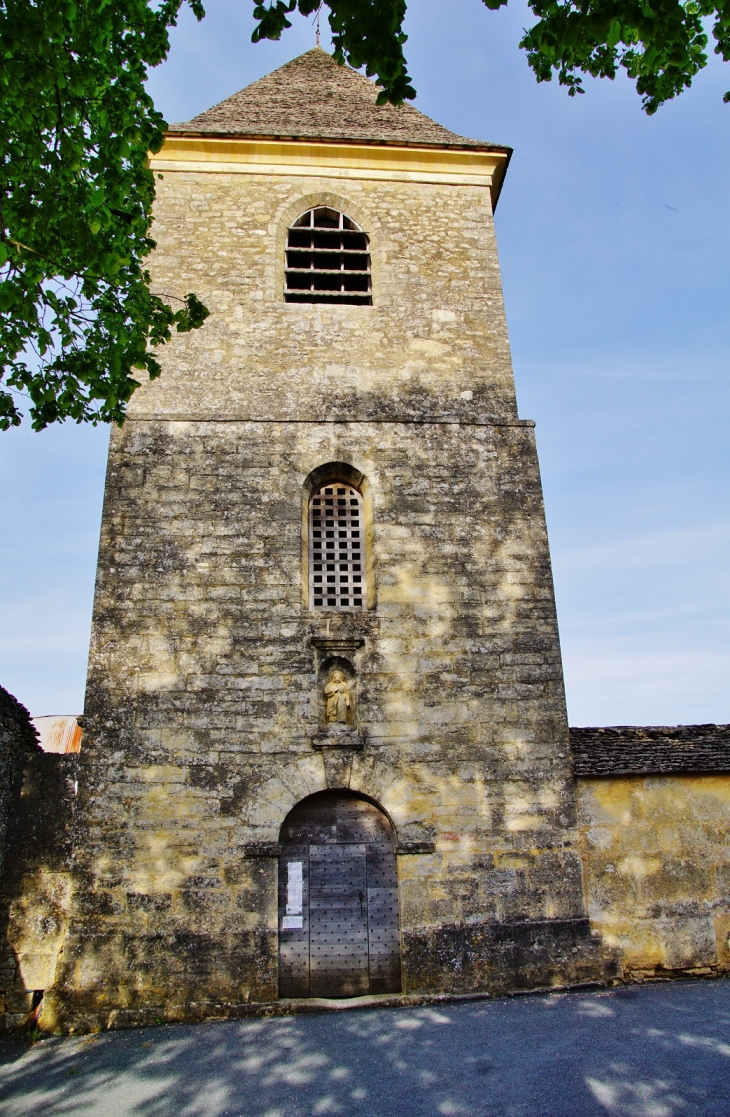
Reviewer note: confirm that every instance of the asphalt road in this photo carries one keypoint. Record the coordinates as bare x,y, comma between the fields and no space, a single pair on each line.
654,1051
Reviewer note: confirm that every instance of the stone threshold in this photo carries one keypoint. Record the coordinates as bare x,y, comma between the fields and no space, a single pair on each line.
299,1006
293,1006
199,1012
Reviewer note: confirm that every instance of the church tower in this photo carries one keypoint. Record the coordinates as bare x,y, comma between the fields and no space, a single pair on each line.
326,748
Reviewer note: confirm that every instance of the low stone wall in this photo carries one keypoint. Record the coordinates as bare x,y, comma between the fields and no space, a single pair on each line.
656,865
18,740
654,824
36,889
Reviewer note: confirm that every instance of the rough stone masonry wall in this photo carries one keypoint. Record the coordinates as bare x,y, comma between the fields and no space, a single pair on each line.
203,697
198,742
656,864
656,856
35,894
18,739
433,346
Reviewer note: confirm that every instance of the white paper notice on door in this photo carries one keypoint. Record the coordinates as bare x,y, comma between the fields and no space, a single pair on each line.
291,923
294,891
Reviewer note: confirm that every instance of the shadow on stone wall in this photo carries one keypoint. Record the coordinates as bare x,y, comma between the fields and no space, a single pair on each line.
36,886
18,740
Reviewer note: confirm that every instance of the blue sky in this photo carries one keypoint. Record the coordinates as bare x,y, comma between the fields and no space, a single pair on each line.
614,237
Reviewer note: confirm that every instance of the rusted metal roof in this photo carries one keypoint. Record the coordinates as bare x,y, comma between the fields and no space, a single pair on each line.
59,732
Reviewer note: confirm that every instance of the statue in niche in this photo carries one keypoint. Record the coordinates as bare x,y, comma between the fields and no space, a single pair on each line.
337,699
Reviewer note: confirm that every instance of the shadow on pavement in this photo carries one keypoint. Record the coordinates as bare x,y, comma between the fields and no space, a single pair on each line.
655,1051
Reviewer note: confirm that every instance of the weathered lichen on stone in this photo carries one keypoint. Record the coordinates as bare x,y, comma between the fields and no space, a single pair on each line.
18,740
656,860
205,714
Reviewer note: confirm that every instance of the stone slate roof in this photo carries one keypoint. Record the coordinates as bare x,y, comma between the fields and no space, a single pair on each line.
312,97
631,750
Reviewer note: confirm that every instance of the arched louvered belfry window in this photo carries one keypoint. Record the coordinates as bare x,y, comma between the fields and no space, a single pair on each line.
327,260
336,548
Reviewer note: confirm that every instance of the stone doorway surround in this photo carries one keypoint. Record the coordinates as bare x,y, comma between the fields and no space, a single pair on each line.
339,933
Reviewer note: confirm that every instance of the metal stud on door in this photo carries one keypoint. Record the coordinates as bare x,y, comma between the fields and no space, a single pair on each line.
383,922
338,899
338,931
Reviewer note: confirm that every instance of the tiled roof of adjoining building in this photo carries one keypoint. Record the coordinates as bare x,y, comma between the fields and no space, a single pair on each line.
637,750
313,97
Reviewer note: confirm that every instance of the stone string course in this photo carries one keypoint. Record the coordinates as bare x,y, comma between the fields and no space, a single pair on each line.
629,750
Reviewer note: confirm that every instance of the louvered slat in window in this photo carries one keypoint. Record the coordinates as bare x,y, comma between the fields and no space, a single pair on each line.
327,260
336,548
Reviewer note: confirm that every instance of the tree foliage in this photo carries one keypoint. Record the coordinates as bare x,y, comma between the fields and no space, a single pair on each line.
78,318
77,315
661,44
365,33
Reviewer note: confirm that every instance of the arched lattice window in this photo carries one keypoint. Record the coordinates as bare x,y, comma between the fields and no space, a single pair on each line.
327,260
336,547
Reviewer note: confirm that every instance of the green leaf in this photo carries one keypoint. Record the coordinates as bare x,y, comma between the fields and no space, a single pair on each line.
78,124
660,44
365,33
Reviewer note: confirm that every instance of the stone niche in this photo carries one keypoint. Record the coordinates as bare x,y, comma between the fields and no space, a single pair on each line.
339,725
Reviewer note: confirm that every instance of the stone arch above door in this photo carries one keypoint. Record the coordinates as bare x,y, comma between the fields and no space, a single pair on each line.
339,929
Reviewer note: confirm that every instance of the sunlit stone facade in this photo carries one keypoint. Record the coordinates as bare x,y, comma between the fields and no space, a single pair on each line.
205,719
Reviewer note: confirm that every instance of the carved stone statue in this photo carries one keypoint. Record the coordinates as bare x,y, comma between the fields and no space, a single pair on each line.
337,698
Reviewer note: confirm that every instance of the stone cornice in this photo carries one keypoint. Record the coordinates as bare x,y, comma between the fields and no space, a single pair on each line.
323,159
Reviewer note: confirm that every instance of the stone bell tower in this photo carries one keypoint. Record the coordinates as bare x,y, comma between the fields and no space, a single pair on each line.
326,746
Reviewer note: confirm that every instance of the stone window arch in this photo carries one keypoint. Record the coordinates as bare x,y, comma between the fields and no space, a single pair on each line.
337,547
337,540
327,259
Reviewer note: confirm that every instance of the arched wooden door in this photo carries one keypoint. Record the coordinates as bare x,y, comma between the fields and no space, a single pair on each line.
339,931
